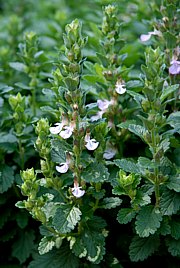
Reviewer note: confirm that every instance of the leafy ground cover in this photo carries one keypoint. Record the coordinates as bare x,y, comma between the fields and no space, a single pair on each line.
89,133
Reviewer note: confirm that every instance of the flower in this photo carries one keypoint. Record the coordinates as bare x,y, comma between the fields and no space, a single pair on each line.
109,152
76,191
63,167
175,67
146,37
120,87
63,129
57,129
91,144
103,105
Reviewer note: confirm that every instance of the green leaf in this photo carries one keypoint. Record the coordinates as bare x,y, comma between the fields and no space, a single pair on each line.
61,258
59,149
136,129
6,178
22,219
125,215
167,91
4,216
165,228
66,218
23,247
127,165
173,247
169,202
94,78
147,221
46,244
95,172
7,138
18,66
173,120
141,248
175,229
174,183
110,202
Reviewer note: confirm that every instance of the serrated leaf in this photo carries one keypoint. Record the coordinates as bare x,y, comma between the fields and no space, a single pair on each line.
61,258
167,91
169,202
165,228
174,183
147,221
110,202
46,244
125,215
4,216
6,178
49,209
95,172
94,78
23,247
173,247
58,150
127,165
136,129
141,248
173,120
66,218
175,229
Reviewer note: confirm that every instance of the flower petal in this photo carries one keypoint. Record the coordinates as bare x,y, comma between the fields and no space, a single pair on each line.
92,144
174,68
97,116
77,192
58,127
145,37
103,104
120,88
109,153
63,168
65,134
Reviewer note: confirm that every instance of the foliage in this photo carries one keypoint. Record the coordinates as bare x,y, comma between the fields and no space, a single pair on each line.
89,137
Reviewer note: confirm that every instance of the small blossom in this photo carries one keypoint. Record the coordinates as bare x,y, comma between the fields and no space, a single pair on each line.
63,167
175,67
109,152
120,87
91,144
57,129
76,191
146,37
63,129
103,104
67,132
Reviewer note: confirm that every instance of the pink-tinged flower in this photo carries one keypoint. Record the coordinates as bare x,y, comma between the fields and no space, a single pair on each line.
120,87
91,144
109,152
146,37
103,105
76,191
175,67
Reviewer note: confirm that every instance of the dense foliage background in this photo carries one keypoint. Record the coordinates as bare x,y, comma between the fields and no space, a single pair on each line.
144,172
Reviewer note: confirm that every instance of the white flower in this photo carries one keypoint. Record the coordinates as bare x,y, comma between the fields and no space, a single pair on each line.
67,132
63,167
120,87
76,191
109,152
103,104
146,37
64,129
91,144
57,129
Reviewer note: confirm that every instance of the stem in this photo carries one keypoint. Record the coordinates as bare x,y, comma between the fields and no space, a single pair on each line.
21,153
